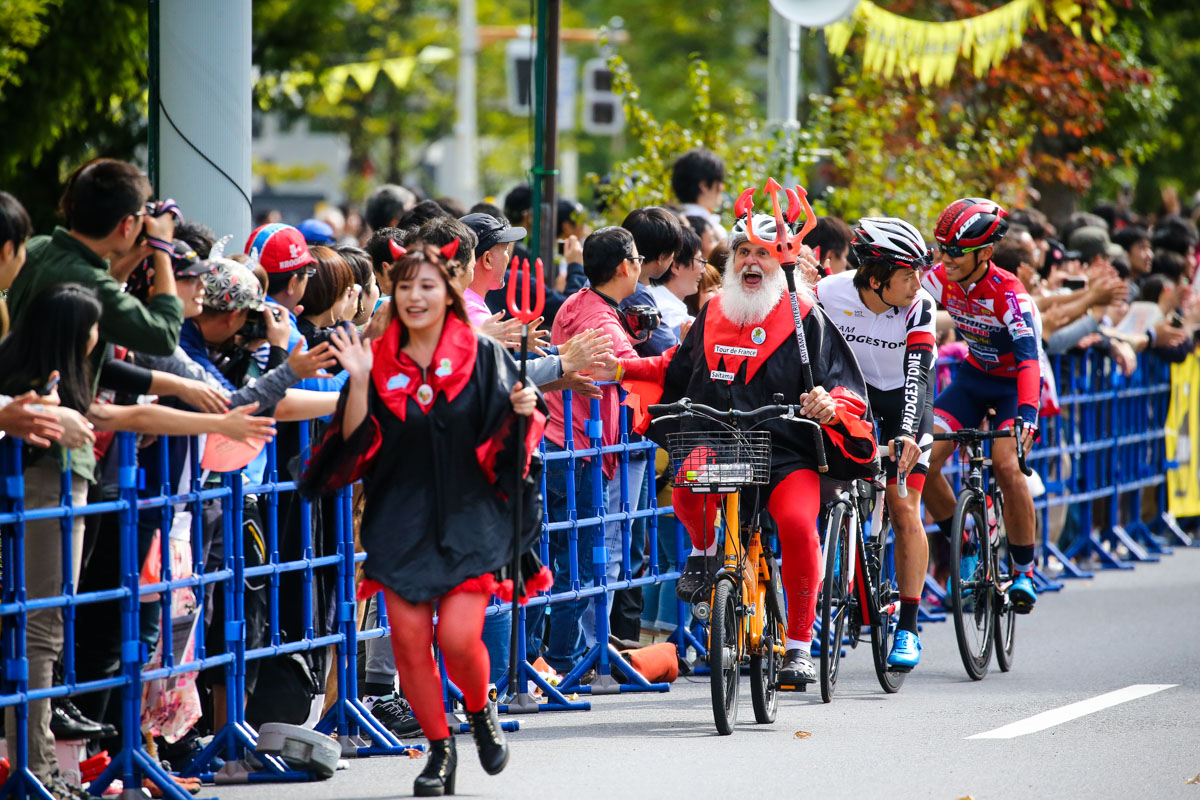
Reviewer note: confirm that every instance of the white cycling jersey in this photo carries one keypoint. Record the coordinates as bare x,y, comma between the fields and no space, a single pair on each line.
879,341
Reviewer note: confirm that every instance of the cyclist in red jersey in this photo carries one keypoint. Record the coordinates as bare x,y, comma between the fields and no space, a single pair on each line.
994,315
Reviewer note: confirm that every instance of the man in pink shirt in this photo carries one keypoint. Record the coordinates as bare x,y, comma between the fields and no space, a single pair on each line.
492,254
612,265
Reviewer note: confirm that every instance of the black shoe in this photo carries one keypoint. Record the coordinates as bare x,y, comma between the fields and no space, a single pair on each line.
62,789
63,726
395,714
489,739
797,669
694,584
437,778
106,731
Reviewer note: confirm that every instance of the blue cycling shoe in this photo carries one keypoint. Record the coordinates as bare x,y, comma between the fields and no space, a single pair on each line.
1021,594
967,567
906,651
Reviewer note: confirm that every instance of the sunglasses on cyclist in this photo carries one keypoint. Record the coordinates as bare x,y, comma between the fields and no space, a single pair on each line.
954,251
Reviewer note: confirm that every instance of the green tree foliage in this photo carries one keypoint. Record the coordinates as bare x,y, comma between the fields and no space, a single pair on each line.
22,26
81,93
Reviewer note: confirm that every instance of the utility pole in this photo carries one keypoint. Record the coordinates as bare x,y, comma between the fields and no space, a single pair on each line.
545,204
783,71
466,184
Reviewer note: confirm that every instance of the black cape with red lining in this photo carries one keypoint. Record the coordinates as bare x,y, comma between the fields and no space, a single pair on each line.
758,371
437,475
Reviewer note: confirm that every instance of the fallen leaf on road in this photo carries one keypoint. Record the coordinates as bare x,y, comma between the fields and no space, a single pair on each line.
1193,780
415,753
803,734
966,797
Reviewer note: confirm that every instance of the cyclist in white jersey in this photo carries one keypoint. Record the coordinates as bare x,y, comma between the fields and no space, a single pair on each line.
888,321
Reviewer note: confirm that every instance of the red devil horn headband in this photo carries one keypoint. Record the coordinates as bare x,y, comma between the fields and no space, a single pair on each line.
451,250
396,250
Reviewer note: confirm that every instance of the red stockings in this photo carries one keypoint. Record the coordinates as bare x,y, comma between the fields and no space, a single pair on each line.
459,635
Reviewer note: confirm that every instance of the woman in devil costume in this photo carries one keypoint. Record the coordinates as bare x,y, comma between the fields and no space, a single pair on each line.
426,420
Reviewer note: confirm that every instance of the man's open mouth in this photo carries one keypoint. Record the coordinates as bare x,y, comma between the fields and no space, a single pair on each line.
752,277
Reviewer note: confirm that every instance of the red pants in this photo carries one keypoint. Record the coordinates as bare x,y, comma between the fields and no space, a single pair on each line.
794,504
459,632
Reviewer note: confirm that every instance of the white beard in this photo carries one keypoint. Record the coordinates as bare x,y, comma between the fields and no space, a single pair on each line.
750,308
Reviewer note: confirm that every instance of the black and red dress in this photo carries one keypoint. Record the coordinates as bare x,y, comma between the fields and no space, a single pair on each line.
437,457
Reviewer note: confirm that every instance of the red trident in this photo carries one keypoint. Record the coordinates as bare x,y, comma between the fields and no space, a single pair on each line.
526,312
786,246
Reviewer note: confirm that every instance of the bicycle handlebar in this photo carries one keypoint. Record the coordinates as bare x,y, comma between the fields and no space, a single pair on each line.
970,436
685,407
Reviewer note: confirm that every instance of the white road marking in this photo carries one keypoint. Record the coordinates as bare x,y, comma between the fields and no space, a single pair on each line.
1057,716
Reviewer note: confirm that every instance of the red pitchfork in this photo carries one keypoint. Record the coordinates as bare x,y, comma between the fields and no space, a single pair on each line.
786,249
526,312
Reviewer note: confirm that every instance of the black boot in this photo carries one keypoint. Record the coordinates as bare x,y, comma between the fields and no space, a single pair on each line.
437,778
489,739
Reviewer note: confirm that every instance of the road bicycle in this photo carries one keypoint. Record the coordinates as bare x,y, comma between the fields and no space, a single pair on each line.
745,612
859,586
977,592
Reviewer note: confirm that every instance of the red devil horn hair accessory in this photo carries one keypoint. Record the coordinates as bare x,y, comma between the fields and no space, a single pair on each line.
451,250
396,250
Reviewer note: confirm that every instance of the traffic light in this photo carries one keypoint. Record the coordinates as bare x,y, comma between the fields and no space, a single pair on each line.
602,112
520,56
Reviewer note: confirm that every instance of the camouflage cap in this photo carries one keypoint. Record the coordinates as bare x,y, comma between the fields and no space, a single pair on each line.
231,287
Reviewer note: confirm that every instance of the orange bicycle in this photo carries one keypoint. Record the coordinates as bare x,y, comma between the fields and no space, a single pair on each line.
746,613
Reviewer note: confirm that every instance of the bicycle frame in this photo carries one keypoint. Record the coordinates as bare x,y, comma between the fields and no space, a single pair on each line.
746,566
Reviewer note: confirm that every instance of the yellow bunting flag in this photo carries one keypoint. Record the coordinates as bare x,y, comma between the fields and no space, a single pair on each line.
895,45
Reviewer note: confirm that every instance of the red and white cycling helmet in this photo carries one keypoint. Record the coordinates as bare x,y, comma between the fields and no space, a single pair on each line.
969,224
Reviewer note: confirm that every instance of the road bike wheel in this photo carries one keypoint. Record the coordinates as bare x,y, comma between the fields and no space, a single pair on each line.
724,669
1006,616
882,575
835,597
764,668
972,601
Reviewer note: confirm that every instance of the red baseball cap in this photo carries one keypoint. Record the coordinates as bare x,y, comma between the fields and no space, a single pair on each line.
279,248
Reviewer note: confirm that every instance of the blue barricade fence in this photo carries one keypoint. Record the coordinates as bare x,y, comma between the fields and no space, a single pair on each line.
1104,450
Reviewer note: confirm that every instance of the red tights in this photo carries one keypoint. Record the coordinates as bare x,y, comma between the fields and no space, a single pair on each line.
459,632
794,505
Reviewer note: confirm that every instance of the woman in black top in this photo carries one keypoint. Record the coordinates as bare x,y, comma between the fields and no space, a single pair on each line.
426,420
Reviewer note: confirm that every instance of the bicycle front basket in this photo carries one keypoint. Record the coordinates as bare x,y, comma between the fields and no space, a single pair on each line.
711,461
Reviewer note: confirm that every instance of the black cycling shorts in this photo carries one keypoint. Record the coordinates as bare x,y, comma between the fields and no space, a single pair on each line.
887,408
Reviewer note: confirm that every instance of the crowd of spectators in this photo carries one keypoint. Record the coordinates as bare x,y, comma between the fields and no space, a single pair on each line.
129,318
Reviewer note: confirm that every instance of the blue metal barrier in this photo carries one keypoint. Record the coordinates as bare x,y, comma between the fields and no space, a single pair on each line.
1105,449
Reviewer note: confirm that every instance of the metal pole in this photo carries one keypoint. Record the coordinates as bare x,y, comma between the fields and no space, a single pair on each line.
152,122
783,70
466,184
545,204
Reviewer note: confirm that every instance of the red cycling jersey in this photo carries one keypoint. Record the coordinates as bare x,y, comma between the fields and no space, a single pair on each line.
995,317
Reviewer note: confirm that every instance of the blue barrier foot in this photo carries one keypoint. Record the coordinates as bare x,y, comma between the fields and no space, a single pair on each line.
1117,535
1169,527
604,682
23,784
526,703
376,740
1070,569
1090,545
134,763
1141,533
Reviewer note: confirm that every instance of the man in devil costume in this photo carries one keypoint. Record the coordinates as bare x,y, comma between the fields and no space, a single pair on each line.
742,350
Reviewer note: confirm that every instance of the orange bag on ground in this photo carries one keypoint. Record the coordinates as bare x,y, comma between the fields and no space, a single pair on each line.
658,663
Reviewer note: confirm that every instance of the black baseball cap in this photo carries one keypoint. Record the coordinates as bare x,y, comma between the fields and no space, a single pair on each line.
491,231
186,262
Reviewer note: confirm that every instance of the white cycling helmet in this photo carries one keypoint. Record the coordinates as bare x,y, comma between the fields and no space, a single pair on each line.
890,240
764,227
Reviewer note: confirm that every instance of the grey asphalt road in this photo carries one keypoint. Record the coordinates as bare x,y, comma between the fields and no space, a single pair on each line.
1094,637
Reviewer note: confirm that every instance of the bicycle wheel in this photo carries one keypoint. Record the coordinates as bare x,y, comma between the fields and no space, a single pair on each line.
724,669
835,597
972,601
881,571
1006,616
764,667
